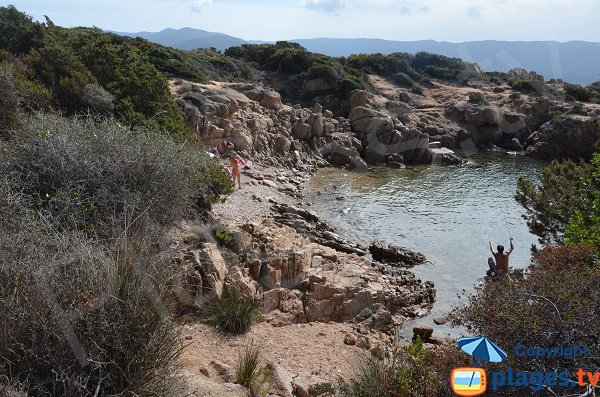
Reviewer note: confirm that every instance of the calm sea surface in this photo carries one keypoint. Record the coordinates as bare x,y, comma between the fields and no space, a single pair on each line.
449,213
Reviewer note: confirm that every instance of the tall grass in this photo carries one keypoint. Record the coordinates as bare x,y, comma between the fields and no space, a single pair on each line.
233,313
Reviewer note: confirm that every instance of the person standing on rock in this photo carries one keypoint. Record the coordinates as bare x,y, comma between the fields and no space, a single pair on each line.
234,161
501,256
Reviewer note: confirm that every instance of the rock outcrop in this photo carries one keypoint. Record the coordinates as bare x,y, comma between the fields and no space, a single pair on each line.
399,256
260,126
301,281
569,136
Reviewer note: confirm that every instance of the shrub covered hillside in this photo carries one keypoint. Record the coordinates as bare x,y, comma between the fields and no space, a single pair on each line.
87,69
312,77
95,171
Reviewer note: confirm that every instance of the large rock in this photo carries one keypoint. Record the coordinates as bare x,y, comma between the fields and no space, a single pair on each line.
311,385
494,125
445,156
566,137
389,253
280,380
523,74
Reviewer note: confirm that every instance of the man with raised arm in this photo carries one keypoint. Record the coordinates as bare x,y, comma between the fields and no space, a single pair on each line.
501,256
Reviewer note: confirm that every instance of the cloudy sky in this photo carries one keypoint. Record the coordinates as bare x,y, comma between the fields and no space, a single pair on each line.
448,20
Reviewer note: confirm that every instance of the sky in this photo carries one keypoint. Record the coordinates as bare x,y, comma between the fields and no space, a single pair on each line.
444,20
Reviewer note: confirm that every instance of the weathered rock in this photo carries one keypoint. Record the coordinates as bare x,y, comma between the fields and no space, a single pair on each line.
280,380
226,372
310,385
389,253
423,331
567,137
445,156
349,340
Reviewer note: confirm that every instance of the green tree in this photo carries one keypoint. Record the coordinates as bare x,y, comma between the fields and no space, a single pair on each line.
18,32
584,224
550,204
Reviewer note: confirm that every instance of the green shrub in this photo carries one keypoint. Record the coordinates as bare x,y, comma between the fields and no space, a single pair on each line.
79,315
402,79
555,303
87,174
233,313
579,93
225,238
18,32
528,86
550,204
9,100
411,371
249,372
584,223
478,98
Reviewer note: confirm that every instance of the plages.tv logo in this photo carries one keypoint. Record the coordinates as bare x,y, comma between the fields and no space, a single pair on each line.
468,382
472,381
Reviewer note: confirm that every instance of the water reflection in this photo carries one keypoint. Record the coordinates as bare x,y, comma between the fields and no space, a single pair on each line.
448,213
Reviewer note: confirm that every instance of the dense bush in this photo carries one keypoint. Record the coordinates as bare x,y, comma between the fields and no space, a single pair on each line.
385,65
555,303
18,32
438,66
233,313
478,98
561,194
528,86
9,100
584,223
411,371
579,93
80,318
87,174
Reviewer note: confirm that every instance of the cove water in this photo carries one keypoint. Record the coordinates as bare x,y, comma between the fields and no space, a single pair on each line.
449,213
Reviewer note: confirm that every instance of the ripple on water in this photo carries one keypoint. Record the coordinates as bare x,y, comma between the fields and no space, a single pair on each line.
448,213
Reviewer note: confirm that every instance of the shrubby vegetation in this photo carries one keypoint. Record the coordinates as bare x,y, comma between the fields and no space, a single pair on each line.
563,208
87,69
579,93
85,281
89,175
411,371
233,313
250,371
555,303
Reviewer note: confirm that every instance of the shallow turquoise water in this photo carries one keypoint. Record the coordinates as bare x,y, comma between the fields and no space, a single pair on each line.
449,213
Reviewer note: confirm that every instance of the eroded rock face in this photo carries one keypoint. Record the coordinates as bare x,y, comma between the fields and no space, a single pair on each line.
494,125
255,120
382,135
303,281
566,137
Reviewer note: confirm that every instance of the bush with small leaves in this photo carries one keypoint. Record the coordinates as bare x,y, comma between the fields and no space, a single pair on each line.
86,174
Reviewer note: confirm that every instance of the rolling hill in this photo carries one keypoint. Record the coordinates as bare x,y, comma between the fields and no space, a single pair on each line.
574,61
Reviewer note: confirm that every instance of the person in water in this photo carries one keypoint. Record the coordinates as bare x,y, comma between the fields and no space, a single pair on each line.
234,161
501,256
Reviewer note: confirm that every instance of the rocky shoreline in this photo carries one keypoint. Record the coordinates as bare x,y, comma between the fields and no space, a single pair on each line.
305,277
270,248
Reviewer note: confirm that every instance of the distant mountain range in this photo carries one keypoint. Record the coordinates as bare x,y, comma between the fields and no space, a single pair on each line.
188,38
573,61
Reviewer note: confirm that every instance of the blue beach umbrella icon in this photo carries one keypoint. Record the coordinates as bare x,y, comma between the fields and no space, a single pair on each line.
481,348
